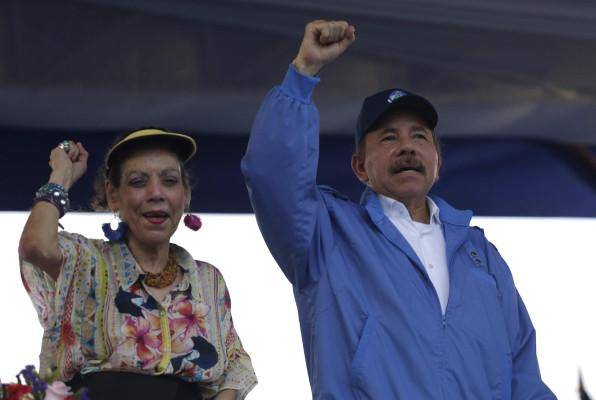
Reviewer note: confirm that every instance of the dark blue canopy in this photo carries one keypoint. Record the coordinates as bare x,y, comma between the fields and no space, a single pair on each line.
492,176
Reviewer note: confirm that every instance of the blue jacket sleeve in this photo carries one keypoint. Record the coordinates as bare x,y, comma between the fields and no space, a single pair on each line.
280,167
526,382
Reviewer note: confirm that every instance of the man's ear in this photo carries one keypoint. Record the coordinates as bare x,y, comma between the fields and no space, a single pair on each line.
112,196
358,167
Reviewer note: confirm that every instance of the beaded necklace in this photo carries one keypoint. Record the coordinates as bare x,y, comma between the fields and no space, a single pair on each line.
167,276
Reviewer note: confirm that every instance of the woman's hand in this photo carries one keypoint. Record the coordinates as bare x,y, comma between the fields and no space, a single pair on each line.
67,168
39,240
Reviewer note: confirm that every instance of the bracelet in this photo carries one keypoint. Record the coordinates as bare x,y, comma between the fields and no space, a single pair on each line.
55,194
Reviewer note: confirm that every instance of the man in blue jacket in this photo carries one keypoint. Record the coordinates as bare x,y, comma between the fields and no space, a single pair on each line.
398,297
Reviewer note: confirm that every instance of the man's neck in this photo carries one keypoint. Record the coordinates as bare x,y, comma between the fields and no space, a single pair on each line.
417,208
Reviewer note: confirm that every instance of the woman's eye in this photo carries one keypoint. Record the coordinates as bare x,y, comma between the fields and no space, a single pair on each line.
420,135
388,138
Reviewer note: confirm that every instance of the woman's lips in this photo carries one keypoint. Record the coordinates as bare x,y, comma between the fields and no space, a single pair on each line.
156,220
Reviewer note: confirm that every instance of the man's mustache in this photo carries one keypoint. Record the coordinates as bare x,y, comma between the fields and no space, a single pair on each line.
407,163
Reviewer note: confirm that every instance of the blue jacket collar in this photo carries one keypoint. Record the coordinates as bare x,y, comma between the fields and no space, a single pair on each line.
455,228
447,213
450,214
371,203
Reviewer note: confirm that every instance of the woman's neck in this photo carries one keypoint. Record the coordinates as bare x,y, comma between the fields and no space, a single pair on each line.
150,258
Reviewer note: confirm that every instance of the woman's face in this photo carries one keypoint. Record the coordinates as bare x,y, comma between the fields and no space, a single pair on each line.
151,197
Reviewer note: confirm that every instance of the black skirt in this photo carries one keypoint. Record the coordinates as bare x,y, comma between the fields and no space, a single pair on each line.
130,386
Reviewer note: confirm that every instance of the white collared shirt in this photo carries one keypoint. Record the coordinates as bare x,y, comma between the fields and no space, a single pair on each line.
427,240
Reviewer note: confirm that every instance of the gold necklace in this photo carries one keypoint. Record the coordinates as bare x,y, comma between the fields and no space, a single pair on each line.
167,276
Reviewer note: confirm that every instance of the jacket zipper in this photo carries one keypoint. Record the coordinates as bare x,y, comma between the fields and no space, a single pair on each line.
449,263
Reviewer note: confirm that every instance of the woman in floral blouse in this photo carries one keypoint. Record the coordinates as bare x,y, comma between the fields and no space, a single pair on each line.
134,317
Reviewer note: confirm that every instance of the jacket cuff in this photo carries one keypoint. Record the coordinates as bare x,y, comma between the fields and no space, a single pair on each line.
299,86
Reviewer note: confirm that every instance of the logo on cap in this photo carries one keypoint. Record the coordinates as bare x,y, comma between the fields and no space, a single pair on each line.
395,95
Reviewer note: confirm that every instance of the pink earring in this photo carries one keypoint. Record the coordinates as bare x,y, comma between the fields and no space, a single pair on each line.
192,222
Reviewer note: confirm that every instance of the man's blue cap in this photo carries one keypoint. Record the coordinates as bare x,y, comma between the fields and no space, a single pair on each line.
379,104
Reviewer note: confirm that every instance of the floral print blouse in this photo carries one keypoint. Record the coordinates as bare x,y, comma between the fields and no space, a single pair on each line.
99,316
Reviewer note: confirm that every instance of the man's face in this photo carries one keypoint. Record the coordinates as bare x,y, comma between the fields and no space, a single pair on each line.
399,159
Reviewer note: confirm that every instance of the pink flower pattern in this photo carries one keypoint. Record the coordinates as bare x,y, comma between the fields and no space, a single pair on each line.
190,320
143,336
